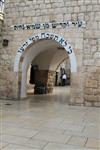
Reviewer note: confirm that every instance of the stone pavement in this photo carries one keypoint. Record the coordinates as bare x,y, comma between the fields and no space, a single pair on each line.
47,122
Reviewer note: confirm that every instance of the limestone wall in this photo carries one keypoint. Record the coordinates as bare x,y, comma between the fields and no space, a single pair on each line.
7,76
91,55
1,34
2,82
85,42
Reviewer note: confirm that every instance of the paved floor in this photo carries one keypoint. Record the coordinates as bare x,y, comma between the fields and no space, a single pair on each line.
47,122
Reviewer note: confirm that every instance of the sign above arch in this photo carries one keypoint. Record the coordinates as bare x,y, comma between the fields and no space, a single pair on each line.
50,25
49,36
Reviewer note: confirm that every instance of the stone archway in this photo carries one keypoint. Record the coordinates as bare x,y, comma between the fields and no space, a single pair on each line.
21,55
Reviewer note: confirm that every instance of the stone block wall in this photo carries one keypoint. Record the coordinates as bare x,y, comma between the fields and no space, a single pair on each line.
92,88
1,24
7,76
91,55
2,82
87,51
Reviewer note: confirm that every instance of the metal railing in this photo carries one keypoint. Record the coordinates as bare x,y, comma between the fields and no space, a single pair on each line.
1,6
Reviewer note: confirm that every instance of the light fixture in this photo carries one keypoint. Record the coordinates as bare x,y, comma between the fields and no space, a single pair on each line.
5,42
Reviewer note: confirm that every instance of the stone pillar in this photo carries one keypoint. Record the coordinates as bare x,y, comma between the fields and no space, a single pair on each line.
76,90
77,82
47,77
50,81
2,81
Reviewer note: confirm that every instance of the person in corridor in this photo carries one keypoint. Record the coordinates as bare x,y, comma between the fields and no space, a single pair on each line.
64,77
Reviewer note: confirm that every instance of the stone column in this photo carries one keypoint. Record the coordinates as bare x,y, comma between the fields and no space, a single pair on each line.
47,77
2,81
77,82
50,81
76,90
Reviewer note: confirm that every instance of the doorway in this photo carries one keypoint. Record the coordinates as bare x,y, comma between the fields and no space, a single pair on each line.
44,67
47,53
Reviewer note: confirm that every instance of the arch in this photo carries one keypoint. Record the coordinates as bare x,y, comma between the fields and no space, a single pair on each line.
26,52
50,36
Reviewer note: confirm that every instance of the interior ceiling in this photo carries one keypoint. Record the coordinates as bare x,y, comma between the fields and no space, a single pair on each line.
51,55
42,45
49,44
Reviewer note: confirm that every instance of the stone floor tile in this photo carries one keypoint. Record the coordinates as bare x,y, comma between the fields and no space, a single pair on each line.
7,124
77,140
52,137
3,144
31,125
18,147
6,138
71,127
73,120
50,124
14,139
36,143
93,143
58,146
21,132
92,131
52,130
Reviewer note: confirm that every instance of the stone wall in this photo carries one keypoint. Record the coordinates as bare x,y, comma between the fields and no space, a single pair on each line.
92,88
1,24
1,60
85,42
91,55
7,76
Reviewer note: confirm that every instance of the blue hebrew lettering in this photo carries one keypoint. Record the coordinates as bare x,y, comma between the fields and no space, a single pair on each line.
46,25
70,50
37,26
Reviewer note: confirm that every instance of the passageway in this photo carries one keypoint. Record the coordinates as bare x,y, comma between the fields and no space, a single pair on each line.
60,94
43,68
47,54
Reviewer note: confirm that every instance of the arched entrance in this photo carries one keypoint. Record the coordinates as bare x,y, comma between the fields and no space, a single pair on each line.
34,46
